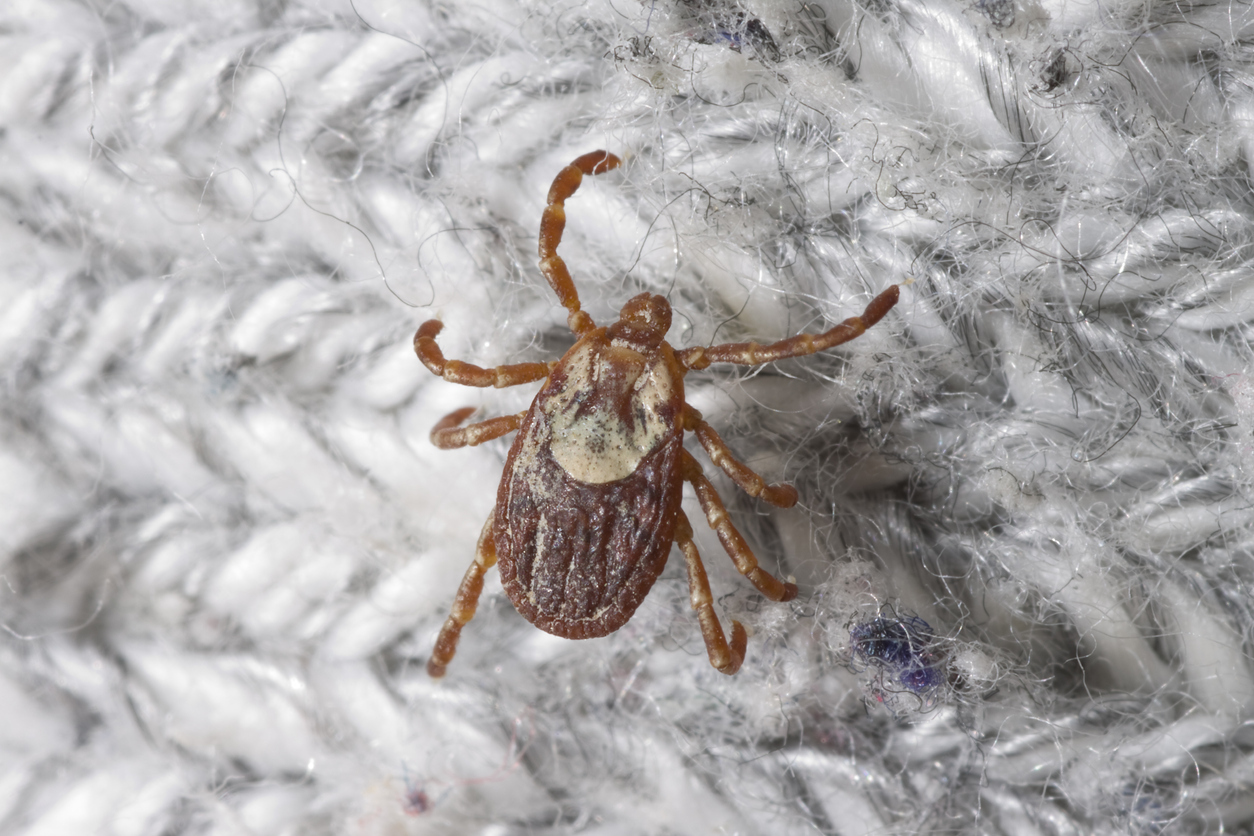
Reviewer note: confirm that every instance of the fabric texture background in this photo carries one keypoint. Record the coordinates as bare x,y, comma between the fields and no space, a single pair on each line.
1025,540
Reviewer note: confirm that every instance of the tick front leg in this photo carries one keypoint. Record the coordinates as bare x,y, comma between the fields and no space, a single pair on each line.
455,371
725,658
753,354
464,604
736,547
781,496
553,223
448,434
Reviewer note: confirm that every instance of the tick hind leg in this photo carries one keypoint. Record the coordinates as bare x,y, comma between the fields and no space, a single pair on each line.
737,548
753,354
455,371
448,434
553,223
464,604
781,496
726,658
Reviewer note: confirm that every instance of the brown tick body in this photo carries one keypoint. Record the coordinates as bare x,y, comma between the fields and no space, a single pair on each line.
589,503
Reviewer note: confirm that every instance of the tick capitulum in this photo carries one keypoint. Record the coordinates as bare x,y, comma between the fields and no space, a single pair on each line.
589,503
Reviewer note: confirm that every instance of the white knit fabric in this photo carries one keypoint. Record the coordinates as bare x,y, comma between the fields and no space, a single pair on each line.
1025,540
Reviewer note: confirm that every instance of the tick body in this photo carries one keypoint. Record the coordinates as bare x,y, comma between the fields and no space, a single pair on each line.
589,503
586,511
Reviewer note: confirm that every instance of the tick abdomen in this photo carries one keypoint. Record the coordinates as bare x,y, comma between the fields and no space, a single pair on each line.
586,511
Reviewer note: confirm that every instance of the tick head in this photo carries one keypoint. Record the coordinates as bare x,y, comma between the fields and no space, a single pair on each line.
643,322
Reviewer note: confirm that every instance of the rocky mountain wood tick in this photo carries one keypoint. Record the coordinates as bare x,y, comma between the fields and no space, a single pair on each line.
589,502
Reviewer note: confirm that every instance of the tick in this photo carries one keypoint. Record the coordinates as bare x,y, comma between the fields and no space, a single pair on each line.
589,503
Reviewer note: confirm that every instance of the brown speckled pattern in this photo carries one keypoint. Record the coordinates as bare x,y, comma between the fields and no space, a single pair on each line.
577,558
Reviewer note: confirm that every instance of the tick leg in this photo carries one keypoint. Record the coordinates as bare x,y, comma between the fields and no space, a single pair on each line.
553,223
447,434
753,354
782,496
455,371
736,547
464,604
725,659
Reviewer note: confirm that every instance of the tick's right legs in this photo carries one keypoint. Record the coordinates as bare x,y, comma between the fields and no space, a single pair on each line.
802,345
464,604
781,496
726,658
737,549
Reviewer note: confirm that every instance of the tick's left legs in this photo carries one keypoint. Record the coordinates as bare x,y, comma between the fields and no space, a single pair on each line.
736,547
725,658
455,371
464,604
448,434
553,223
781,496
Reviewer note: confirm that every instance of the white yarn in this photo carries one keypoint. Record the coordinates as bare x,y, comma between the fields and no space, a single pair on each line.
1024,542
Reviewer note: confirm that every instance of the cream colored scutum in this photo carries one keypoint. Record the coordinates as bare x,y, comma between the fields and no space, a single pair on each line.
594,444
